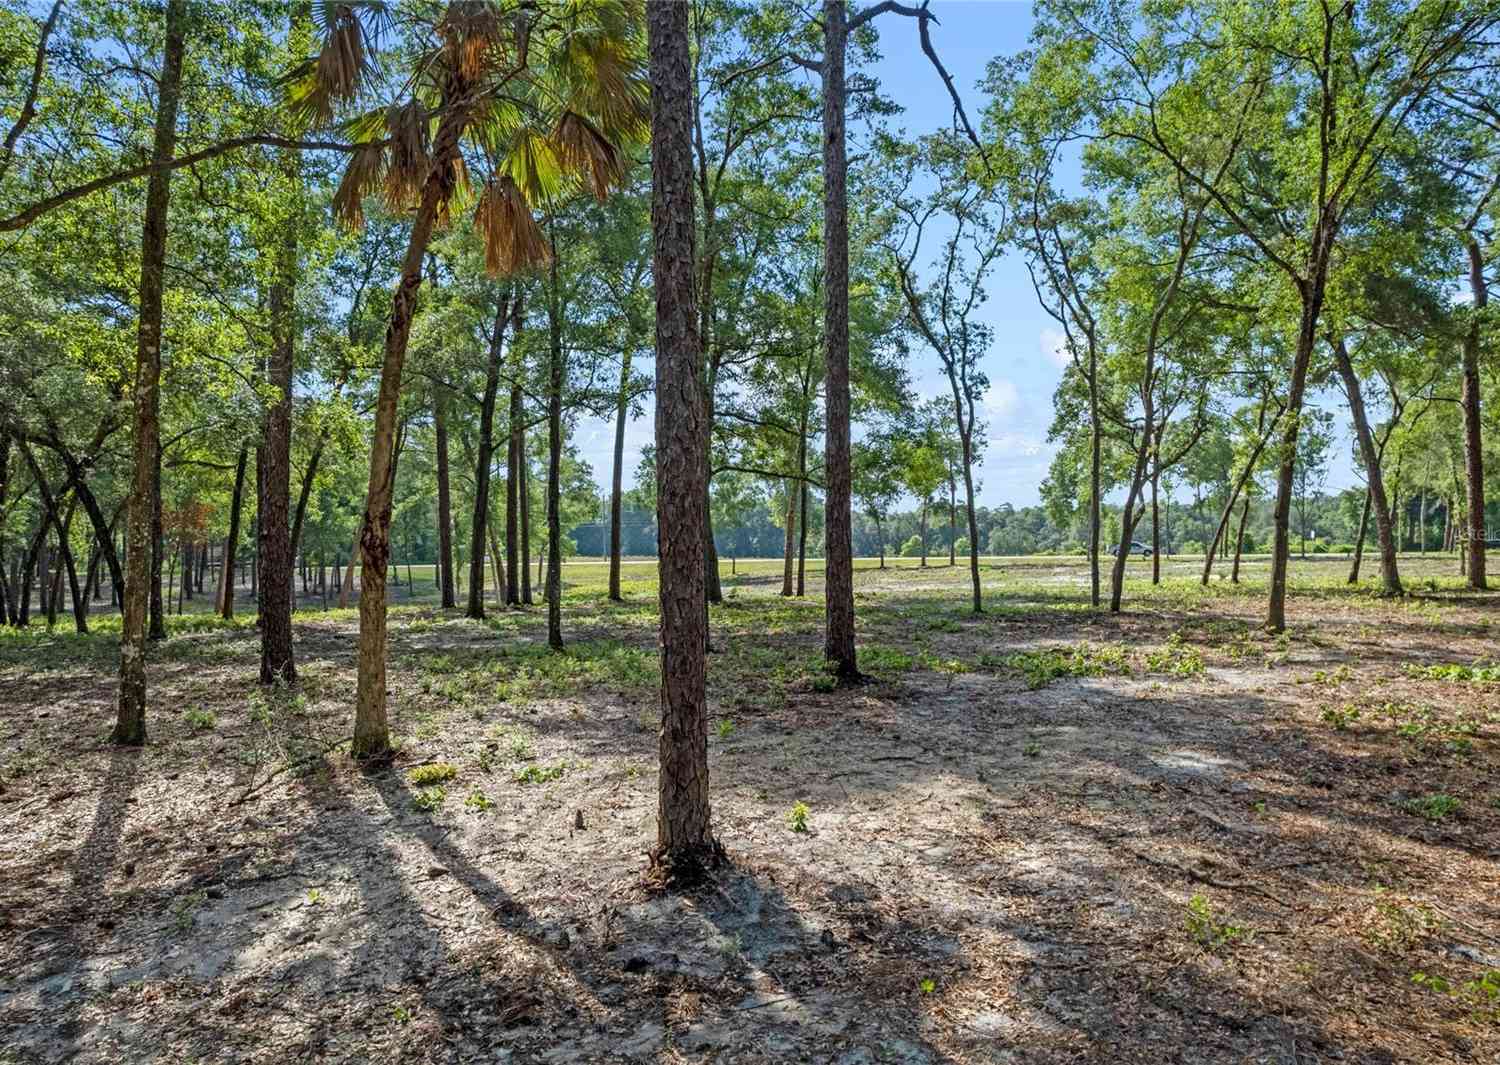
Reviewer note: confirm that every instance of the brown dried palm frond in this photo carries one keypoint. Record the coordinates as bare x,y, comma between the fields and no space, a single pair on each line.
585,151
470,31
513,241
344,63
461,192
362,177
410,154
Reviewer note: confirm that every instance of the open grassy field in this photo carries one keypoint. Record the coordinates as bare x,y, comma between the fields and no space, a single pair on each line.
1041,835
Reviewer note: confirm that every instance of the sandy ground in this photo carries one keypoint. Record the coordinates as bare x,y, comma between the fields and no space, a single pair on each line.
1041,835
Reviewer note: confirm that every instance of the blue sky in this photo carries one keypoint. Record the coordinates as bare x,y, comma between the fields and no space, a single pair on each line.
1025,362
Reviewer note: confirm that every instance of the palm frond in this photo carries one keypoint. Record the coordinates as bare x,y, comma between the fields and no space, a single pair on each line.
513,241
365,174
410,156
345,62
582,149
470,31
532,164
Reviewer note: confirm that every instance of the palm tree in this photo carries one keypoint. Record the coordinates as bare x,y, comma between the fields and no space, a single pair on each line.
537,98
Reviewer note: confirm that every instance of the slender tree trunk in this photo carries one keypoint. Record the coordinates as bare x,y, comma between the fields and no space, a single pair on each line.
1128,517
924,533
5,591
1155,513
952,521
967,441
188,562
1307,335
684,837
158,625
1374,475
371,732
1263,436
346,586
802,543
483,461
879,535
1359,541
444,502
232,541
130,723
622,409
1473,441
498,564
1096,448
556,375
1239,541
838,564
277,563
513,499
525,525
791,532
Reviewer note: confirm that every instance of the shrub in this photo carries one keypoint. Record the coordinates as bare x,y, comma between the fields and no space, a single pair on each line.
961,546
434,773
912,548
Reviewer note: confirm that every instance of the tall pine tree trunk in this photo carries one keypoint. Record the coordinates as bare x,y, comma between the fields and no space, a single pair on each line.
484,459
791,533
130,723
684,838
1473,440
556,375
158,625
525,479
232,540
276,562
622,408
444,501
838,563
512,500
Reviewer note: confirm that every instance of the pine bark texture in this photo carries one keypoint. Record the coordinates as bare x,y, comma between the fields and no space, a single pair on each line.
1473,440
483,461
556,376
444,503
684,840
232,539
622,408
837,519
130,723
276,574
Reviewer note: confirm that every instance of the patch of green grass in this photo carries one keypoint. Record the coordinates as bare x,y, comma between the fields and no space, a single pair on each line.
199,719
1340,717
432,773
1478,673
1176,657
539,774
1481,995
1435,807
429,799
1042,667
478,801
1208,929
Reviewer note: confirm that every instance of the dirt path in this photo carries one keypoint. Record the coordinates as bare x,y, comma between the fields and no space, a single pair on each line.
1041,836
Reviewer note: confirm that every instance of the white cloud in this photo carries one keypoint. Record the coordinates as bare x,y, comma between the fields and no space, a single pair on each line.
1002,399
1054,345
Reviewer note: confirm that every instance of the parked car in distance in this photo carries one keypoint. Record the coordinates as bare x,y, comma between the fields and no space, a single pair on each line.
1136,548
